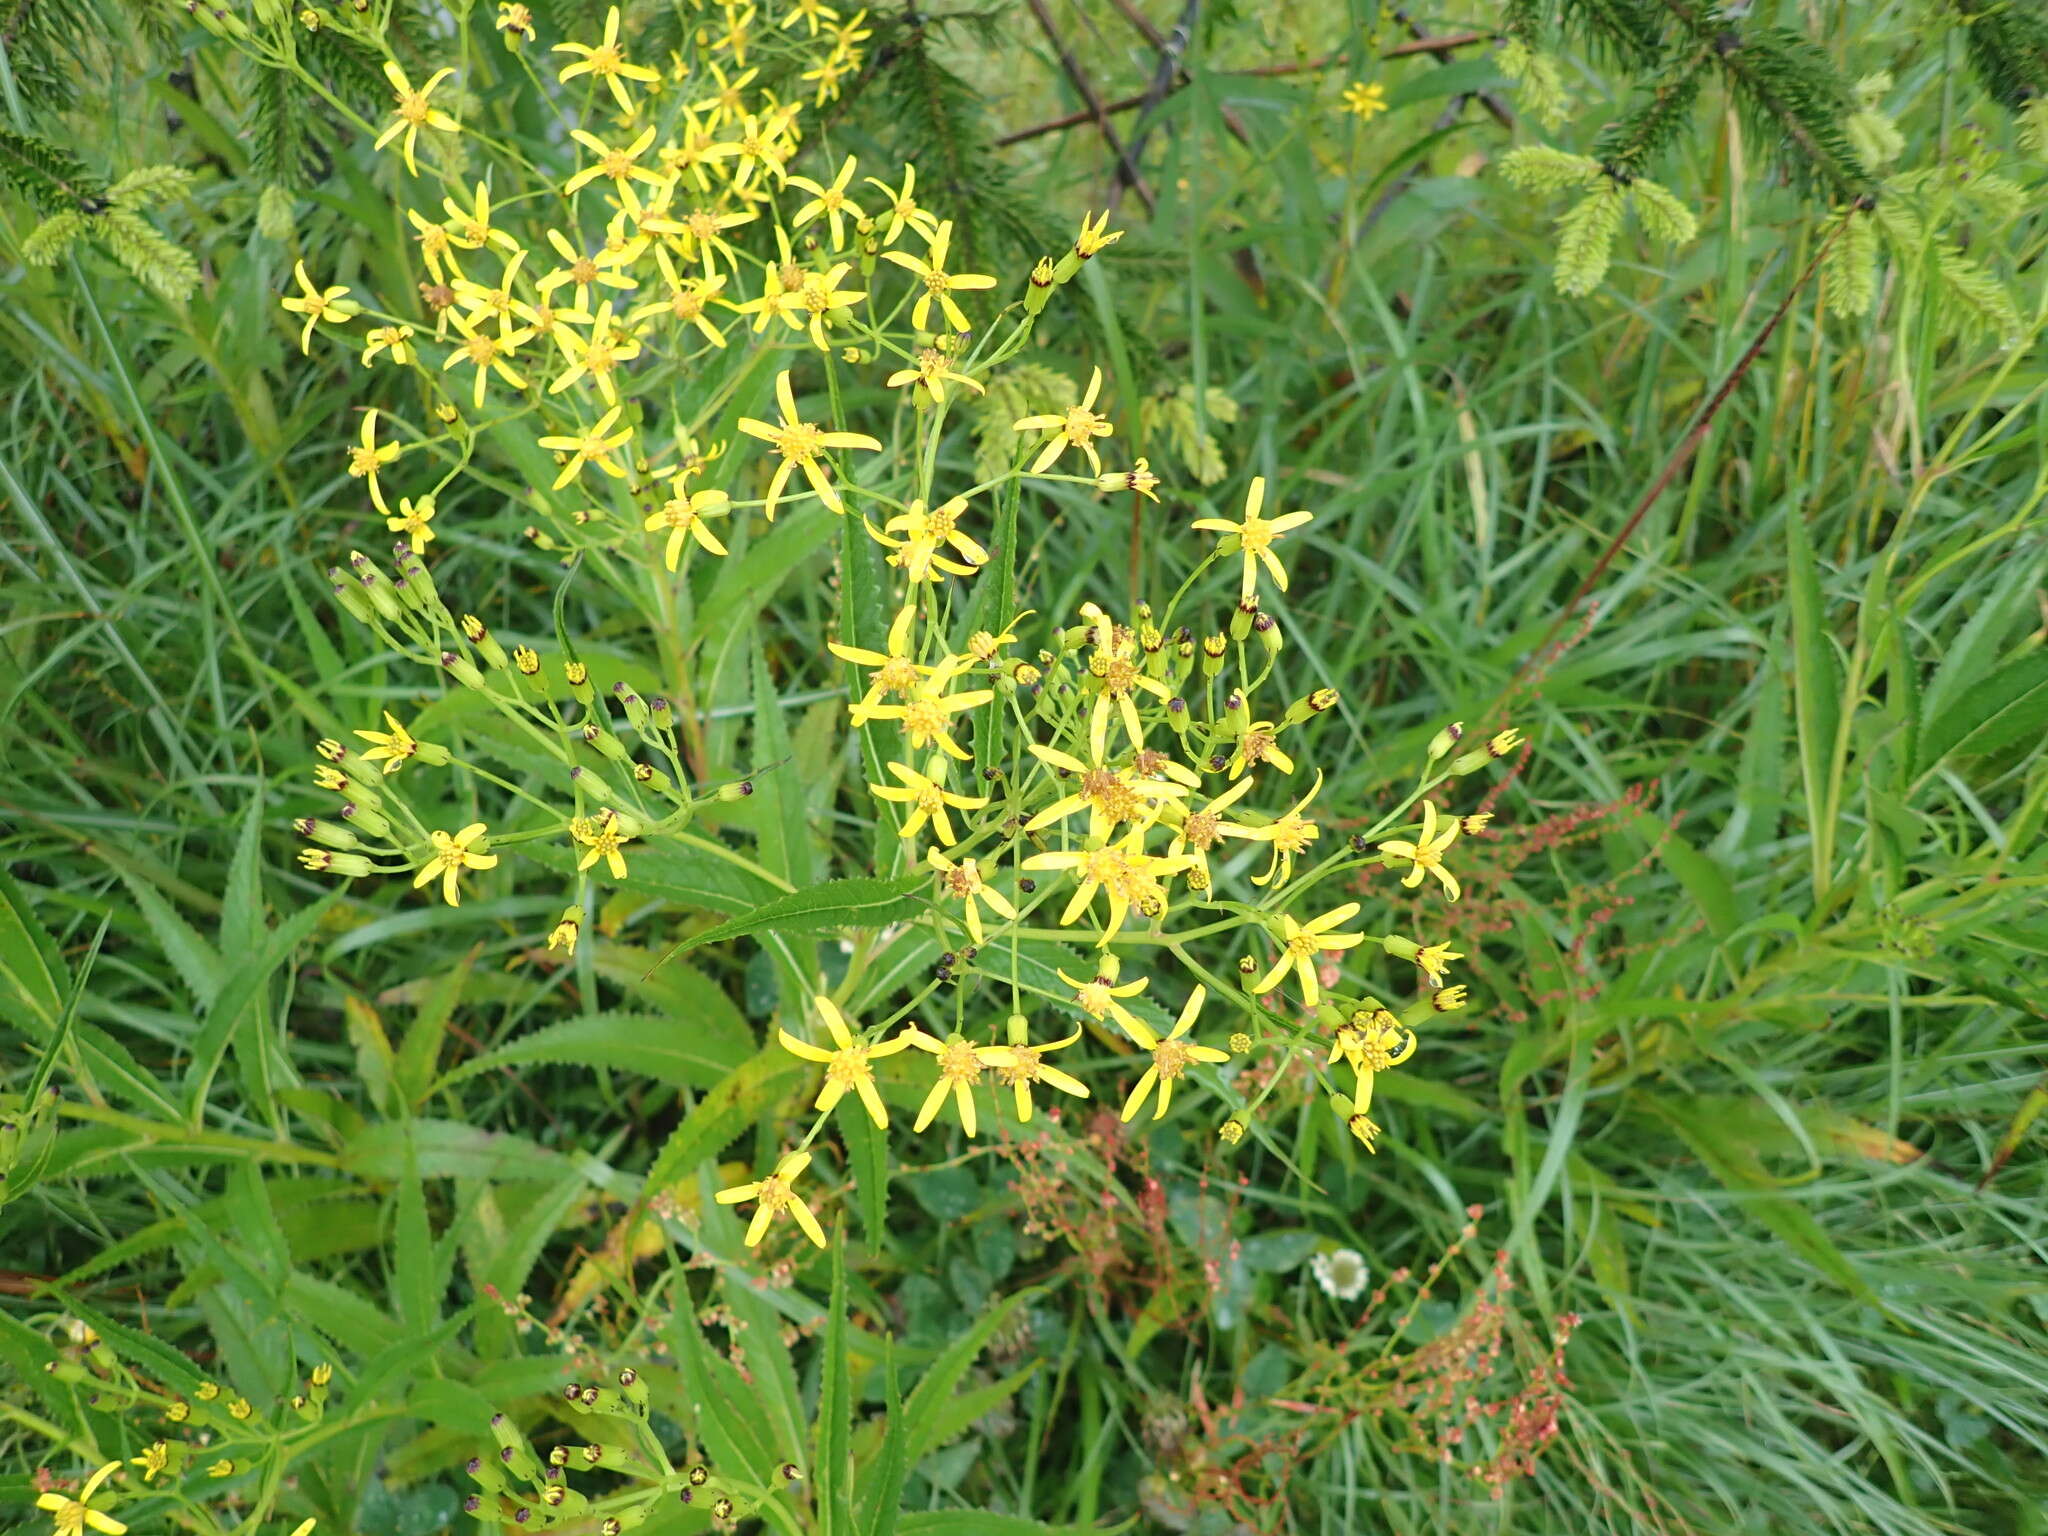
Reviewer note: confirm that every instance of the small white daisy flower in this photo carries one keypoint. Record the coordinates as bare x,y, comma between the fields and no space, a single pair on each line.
1341,1274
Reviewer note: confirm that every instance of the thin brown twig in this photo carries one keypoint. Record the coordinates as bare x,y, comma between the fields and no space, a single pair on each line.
1171,48
1071,68
1677,461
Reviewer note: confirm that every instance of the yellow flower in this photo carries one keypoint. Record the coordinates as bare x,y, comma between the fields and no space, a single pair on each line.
411,519
1123,872
153,1460
499,301
515,20
603,836
1078,426
846,1066
452,855
964,881
1363,101
930,370
1299,943
1095,236
940,285
960,1063
1026,1066
1117,675
566,932
683,516
827,202
75,1515
1426,853
1289,835
775,1193
487,354
1111,796
318,304
607,63
1435,960
812,302
1259,743
393,748
729,100
618,166
1139,479
1201,831
470,228
597,356
695,150
593,447
414,112
929,798
1103,994
687,299
395,339
366,460
924,535
927,709
1254,537
799,443
903,211
895,671
702,233
1372,1042
809,12
583,270
1171,1057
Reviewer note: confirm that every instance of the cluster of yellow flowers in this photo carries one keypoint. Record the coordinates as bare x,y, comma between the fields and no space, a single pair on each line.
1117,766
236,1437
1128,756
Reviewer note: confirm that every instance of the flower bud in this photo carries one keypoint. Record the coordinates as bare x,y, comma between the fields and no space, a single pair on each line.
610,746
578,676
1231,1131
633,1387
1445,739
462,669
1267,628
1241,619
1043,279
366,816
636,707
1400,948
1213,649
527,660
348,595
652,777
327,833
1470,762
739,791
587,783
476,634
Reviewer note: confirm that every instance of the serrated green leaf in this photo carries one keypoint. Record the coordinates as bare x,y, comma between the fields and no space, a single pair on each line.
724,1112
667,1050
2009,706
861,902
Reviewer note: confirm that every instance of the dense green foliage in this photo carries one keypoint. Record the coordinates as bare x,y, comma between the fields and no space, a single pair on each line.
1750,1078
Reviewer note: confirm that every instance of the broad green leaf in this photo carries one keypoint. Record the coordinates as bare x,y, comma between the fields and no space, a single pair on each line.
861,902
674,1051
831,1451
420,1051
723,1113
447,1149
2009,706
1817,686
30,963
244,977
